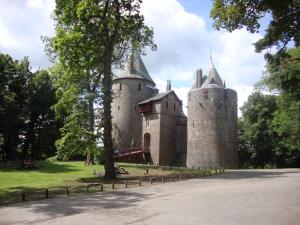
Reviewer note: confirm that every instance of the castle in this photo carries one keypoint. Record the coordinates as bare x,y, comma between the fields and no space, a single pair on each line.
145,119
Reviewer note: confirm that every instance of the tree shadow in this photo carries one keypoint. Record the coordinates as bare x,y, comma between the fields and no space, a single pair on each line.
255,174
64,206
43,167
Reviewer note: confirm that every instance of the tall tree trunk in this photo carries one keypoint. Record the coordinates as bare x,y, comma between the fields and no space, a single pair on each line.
90,155
110,172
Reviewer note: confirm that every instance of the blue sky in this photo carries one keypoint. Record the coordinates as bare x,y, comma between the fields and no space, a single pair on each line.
183,32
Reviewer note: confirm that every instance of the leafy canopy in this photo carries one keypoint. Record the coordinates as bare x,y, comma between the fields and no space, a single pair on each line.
283,27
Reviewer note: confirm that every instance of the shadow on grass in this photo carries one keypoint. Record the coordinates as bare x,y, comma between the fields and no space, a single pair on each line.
44,167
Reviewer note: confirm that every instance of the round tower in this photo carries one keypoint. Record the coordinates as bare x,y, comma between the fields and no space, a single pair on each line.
212,123
131,87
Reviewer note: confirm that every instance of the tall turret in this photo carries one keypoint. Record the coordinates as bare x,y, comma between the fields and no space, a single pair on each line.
132,86
212,123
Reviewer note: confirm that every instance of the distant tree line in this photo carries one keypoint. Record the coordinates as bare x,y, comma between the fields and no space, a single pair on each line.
28,126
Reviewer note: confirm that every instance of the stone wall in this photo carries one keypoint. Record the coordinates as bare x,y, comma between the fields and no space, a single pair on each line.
212,118
162,123
126,120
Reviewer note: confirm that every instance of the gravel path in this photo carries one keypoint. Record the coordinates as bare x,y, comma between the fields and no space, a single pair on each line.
238,197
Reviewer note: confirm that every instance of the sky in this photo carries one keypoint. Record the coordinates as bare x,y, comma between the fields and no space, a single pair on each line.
183,33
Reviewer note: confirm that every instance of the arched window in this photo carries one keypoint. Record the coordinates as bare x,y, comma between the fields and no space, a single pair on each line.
139,87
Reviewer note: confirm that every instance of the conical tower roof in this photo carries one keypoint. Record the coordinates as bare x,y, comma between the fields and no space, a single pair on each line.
135,68
213,78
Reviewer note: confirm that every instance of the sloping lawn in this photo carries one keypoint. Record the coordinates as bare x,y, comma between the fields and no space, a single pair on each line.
47,174
57,175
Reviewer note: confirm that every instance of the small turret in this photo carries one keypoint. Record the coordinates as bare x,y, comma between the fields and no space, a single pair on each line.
213,78
169,87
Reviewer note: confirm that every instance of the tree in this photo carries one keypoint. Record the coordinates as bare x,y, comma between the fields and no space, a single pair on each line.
27,123
283,27
91,37
283,77
41,127
256,138
14,91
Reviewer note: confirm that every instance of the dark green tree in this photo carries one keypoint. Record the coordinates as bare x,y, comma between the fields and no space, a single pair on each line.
283,77
14,92
28,128
256,138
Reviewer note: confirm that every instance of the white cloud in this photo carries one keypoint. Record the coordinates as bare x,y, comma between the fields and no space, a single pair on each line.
183,46
183,41
22,23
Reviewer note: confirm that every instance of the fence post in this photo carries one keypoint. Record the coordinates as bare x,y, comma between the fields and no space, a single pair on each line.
23,196
140,182
151,181
101,187
67,192
47,193
126,184
113,186
162,179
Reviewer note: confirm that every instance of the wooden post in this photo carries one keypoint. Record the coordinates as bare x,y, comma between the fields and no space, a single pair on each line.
126,184
23,196
151,180
101,187
113,186
67,191
47,193
140,182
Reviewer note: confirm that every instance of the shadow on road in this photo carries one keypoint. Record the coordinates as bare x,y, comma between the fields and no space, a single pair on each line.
64,206
255,174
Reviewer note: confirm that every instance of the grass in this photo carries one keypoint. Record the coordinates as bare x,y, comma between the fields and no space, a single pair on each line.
62,174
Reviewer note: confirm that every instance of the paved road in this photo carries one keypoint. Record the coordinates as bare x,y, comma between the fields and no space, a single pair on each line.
265,197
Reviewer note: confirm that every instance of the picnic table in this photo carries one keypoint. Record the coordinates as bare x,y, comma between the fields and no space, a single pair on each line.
28,164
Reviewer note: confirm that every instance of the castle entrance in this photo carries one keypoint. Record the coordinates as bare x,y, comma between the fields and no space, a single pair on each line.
147,138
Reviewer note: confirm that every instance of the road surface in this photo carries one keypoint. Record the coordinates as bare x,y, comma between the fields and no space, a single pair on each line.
239,197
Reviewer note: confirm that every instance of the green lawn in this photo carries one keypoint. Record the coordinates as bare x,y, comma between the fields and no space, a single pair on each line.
47,174
51,175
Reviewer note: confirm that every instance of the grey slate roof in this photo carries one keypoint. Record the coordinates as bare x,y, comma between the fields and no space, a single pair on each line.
135,69
213,78
156,97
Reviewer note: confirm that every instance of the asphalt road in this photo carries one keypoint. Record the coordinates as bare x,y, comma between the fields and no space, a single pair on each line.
264,197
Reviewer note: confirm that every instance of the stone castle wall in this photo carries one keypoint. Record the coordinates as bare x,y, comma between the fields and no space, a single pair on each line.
126,120
212,115
162,123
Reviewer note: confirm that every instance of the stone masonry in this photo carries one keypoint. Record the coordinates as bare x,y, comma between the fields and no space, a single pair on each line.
144,118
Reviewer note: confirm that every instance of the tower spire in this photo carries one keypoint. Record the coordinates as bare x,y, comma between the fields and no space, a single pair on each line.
210,56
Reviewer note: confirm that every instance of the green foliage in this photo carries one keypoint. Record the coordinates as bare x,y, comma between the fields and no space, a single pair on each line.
27,123
279,128
255,134
283,27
